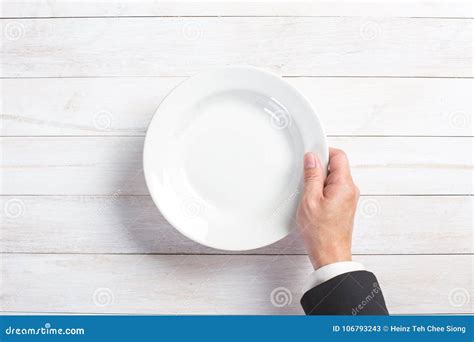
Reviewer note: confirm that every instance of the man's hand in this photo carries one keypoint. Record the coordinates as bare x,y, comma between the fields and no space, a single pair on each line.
327,209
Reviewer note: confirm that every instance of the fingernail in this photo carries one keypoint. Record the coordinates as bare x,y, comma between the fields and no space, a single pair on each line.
309,161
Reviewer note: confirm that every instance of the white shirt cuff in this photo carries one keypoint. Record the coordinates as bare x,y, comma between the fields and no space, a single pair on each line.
330,271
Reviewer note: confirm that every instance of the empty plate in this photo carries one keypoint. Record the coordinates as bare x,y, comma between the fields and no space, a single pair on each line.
223,156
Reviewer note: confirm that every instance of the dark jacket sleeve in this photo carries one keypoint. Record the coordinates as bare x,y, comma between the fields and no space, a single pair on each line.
352,293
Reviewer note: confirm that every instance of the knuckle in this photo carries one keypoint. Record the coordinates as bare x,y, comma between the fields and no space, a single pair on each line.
349,189
312,175
353,191
310,203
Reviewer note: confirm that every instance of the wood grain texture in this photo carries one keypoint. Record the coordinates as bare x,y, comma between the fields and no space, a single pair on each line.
127,224
358,62
113,165
386,8
180,284
346,106
291,46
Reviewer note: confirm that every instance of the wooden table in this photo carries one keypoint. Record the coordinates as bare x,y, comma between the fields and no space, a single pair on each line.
392,82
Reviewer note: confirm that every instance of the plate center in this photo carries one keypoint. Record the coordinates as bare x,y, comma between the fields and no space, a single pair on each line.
239,152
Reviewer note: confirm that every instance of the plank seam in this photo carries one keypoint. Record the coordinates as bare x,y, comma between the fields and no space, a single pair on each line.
229,16
186,76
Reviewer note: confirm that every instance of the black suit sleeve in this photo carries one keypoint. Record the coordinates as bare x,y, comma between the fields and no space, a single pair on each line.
352,293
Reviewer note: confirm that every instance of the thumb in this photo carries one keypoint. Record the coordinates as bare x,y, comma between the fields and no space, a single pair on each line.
313,174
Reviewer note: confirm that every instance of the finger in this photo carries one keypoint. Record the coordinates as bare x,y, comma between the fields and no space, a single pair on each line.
338,162
313,174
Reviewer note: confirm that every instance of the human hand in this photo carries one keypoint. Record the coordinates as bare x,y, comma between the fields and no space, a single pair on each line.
327,208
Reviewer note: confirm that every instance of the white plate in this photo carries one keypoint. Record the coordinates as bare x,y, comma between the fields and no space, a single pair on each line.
223,156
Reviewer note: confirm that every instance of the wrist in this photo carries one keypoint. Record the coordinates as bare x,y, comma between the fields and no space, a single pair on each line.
322,259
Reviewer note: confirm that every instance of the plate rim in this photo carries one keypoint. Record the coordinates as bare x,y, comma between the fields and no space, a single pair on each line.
156,115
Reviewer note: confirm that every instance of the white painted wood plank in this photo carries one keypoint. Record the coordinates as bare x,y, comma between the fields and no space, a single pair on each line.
127,224
216,284
79,165
330,46
410,165
113,165
86,8
346,106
